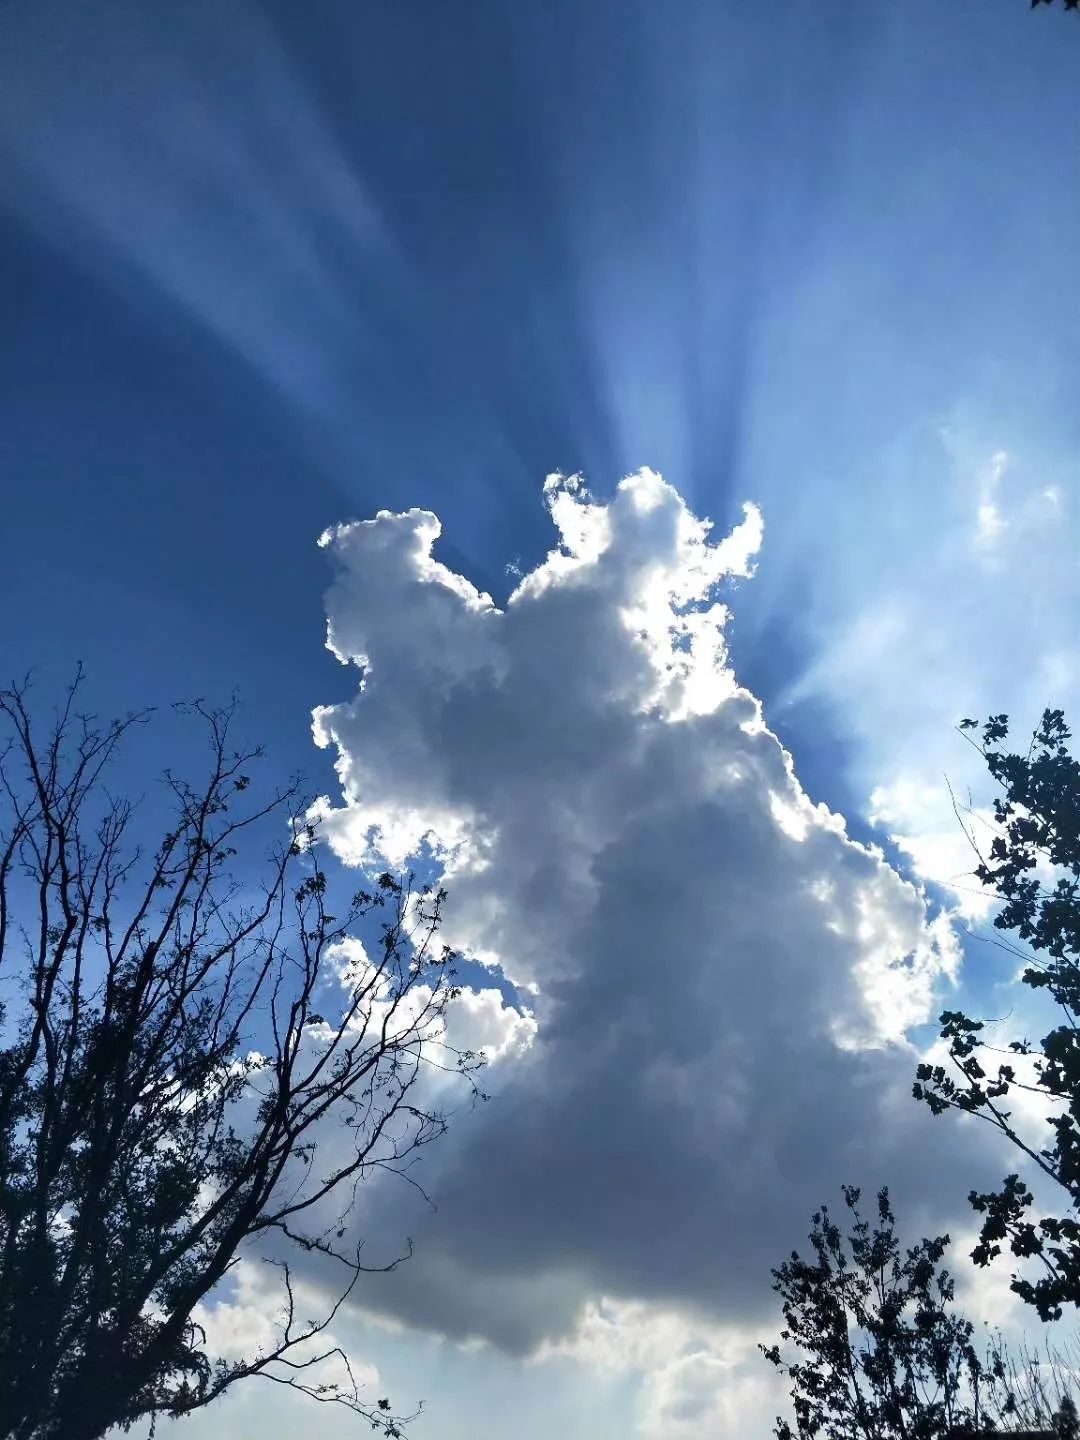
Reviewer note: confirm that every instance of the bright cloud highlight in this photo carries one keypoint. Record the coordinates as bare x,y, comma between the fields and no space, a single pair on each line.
719,979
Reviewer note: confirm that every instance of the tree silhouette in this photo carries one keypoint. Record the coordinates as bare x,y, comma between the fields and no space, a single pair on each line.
873,1347
171,1096
1034,867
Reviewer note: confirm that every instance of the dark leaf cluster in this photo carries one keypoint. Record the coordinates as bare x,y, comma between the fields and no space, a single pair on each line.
1033,867
873,1347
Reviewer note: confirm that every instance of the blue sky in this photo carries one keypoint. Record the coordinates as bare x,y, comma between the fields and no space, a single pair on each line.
271,268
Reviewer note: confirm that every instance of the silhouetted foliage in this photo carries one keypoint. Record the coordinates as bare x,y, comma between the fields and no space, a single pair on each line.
1034,867
1069,4
171,1099
873,1347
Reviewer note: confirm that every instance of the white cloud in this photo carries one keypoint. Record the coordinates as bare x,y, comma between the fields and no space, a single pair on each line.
722,978
481,1021
990,524
243,1326
249,1325
703,1393
695,1378
942,845
929,625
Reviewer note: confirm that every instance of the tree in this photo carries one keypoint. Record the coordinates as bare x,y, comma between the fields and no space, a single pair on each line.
874,1348
1069,4
1033,866
171,1099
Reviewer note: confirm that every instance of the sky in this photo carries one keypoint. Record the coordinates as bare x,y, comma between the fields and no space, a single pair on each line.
386,365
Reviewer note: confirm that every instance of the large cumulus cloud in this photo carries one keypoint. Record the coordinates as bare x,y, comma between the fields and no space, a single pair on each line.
721,979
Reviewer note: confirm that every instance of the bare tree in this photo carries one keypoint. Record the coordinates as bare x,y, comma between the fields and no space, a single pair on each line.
171,1097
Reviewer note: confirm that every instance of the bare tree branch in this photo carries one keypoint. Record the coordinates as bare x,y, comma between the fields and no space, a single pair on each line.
183,1074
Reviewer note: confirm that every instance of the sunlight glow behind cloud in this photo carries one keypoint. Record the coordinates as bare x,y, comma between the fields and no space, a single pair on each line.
212,118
